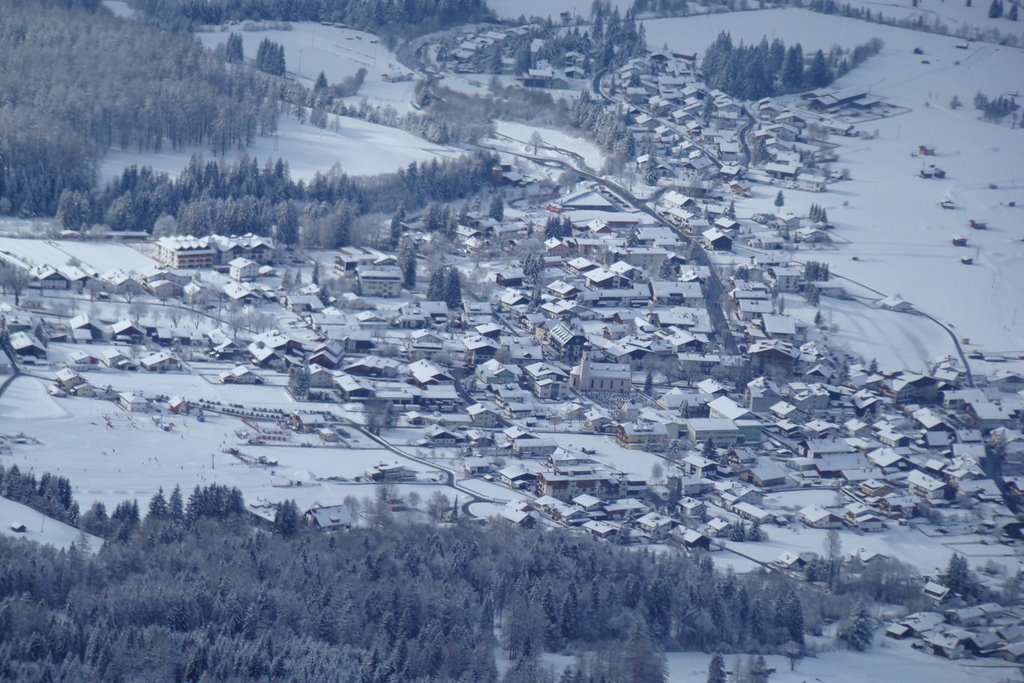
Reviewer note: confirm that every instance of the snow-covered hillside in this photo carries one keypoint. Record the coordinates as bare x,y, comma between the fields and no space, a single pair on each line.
358,147
39,527
310,48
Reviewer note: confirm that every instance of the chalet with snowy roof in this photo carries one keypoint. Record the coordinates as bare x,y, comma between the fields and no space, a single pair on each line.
910,387
760,395
379,281
785,278
240,292
47,277
495,372
240,374
512,298
657,526
927,487
425,373
479,349
127,331
716,240
835,100
161,361
587,199
389,472
862,517
986,415
667,293
765,474
329,518
81,361
242,269
132,402
773,355
25,345
84,329
545,380
642,435
567,342
483,415
721,431
817,517
560,289
72,383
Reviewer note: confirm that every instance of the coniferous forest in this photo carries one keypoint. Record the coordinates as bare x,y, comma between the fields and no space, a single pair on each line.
80,81
246,197
195,593
751,72
391,18
77,81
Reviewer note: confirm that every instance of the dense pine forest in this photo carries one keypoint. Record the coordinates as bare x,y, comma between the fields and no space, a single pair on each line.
751,72
194,593
390,18
195,588
246,197
77,81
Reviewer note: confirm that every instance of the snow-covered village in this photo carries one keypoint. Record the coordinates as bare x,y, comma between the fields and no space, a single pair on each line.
662,341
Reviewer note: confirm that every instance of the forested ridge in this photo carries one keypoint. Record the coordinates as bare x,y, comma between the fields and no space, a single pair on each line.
75,81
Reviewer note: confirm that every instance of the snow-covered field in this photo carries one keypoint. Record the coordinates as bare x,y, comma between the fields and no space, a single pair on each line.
896,340
958,17
358,147
120,456
888,661
40,528
812,30
310,48
98,258
521,133
927,552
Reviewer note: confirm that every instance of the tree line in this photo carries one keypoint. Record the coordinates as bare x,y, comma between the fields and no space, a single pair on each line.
50,494
269,57
390,18
78,81
751,72
241,197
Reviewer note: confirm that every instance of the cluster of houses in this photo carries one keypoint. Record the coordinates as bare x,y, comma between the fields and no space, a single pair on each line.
244,258
699,137
985,630
579,492
497,50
